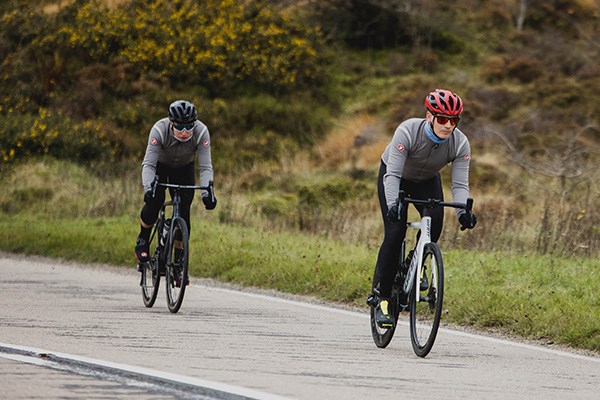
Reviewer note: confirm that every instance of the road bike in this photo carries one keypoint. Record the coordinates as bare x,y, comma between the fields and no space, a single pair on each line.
170,251
419,286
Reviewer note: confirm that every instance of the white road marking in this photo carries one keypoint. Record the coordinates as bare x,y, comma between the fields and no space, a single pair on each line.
38,357
405,323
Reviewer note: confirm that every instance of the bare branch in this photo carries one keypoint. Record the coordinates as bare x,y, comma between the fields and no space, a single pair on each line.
566,165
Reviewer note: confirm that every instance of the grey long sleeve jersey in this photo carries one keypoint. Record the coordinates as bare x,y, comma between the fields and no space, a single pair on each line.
164,148
412,155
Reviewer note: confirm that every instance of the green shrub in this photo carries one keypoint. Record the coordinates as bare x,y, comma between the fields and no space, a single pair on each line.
524,69
216,43
276,206
250,67
328,193
297,116
494,69
486,176
232,154
495,101
54,134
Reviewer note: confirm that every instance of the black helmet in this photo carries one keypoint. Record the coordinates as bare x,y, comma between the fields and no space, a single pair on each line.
182,112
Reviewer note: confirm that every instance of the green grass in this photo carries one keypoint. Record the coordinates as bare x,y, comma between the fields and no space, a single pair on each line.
535,297
539,297
292,263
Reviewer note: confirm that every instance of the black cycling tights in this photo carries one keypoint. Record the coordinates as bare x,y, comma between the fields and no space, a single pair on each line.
175,175
389,252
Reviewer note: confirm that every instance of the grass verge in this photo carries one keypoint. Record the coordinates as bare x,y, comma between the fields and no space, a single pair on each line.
535,297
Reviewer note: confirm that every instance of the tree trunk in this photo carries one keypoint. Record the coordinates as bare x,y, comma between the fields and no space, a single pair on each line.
521,14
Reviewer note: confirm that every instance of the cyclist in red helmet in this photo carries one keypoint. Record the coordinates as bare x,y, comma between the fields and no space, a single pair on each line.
412,161
173,143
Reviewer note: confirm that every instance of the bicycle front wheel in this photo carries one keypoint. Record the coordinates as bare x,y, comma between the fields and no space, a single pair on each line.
177,265
150,280
425,314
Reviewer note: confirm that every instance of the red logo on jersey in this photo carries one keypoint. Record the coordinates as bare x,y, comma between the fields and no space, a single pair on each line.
205,143
153,141
467,157
400,147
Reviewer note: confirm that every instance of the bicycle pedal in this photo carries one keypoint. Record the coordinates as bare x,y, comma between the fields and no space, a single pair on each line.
372,300
178,282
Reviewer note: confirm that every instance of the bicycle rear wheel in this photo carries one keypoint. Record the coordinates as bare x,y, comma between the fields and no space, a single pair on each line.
383,336
150,280
425,314
177,264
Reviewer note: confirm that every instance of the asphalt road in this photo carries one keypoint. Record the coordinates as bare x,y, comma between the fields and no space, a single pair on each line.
71,332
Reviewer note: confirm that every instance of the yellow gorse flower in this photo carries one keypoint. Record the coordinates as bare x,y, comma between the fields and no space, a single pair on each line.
215,40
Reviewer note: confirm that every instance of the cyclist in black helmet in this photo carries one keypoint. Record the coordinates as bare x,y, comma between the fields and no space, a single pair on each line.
172,146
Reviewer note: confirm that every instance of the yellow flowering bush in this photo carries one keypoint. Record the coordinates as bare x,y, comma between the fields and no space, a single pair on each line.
54,134
87,64
210,42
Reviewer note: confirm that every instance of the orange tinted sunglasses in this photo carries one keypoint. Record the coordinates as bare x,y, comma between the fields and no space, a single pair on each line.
443,120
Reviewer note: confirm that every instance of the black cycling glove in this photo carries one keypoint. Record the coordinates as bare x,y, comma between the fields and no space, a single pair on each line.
210,202
467,220
393,213
150,194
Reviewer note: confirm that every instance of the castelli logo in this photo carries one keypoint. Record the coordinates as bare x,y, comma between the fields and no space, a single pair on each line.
205,143
153,141
400,147
467,157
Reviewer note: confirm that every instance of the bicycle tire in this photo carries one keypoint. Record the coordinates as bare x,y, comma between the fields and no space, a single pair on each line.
425,315
382,336
150,280
177,265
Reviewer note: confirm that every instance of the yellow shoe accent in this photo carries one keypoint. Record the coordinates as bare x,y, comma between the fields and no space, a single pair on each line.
382,315
384,306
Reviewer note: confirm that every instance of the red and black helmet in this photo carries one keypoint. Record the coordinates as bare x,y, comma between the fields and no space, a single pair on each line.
444,102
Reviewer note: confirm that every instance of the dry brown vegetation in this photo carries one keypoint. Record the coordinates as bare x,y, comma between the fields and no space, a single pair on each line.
306,158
